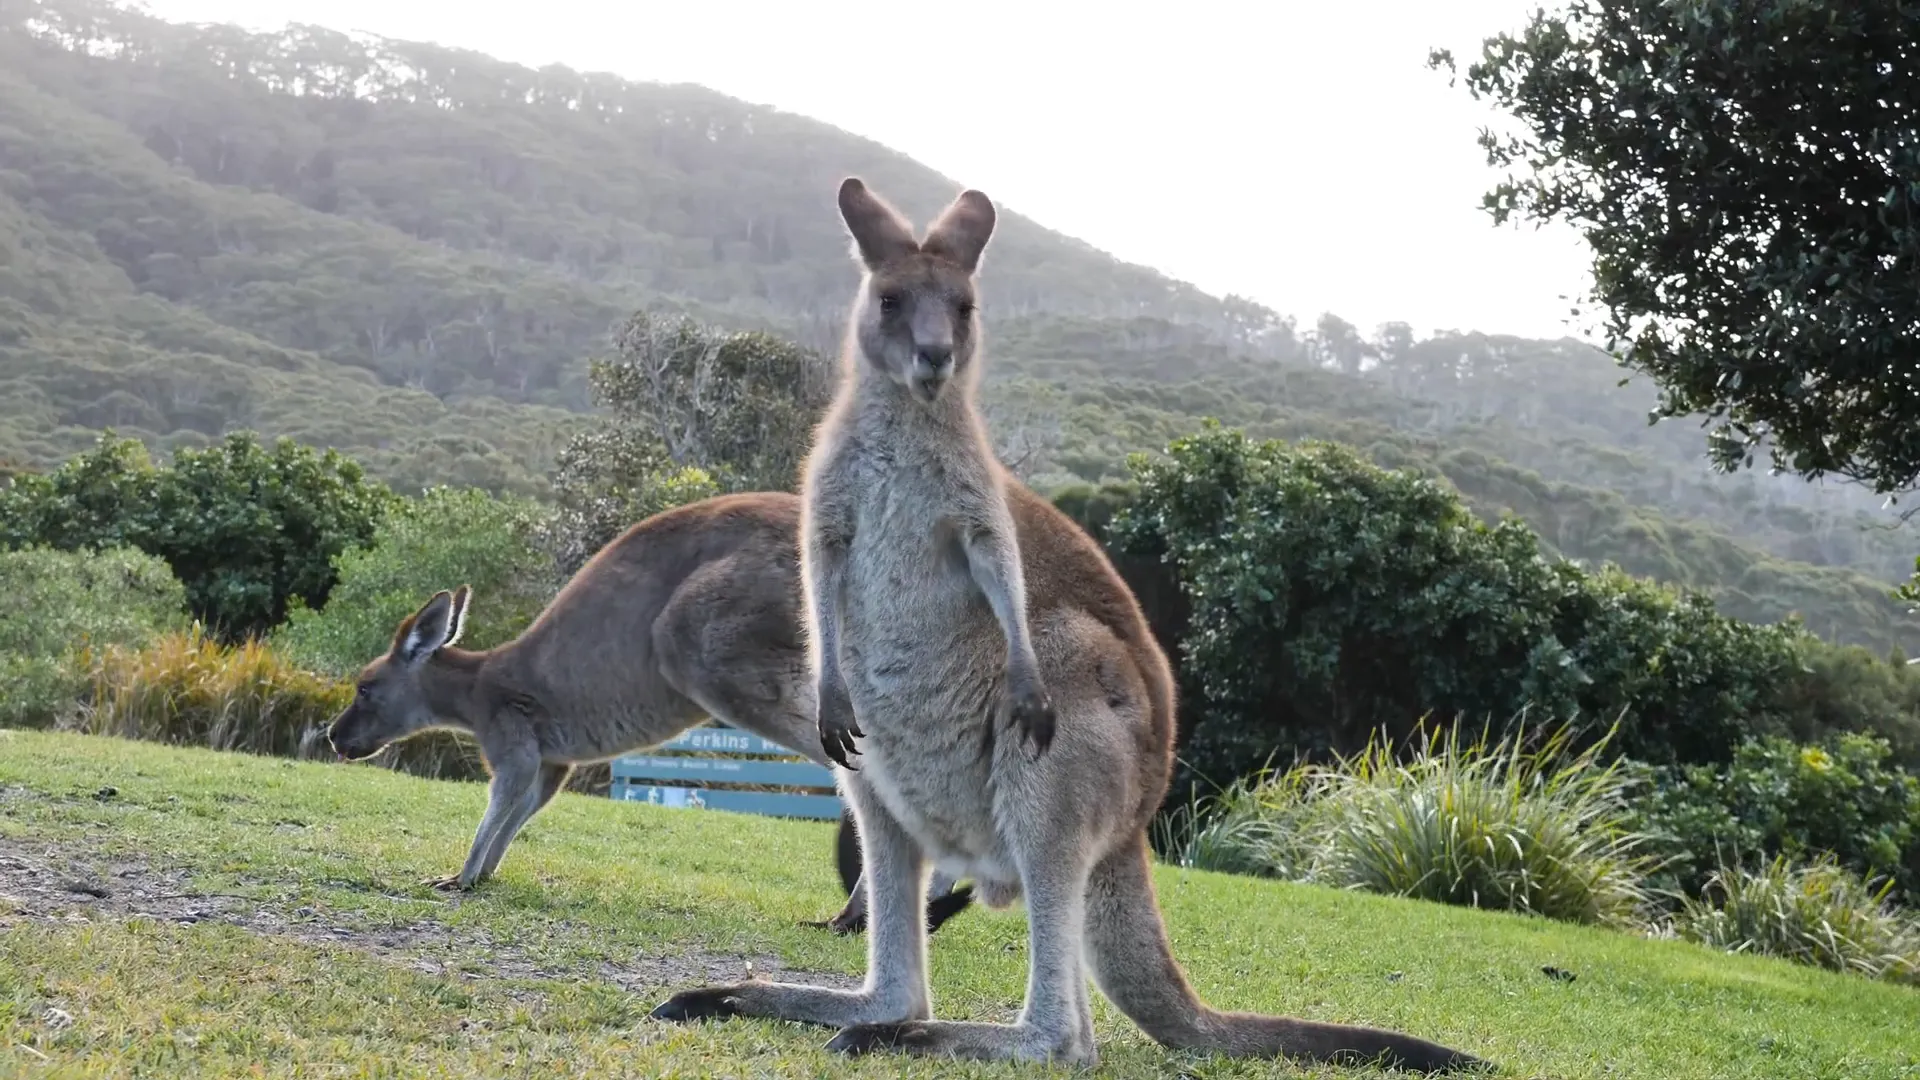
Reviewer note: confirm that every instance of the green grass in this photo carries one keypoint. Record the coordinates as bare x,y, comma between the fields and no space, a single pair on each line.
345,967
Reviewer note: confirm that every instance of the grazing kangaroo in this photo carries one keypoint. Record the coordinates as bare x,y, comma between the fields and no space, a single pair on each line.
1015,715
693,611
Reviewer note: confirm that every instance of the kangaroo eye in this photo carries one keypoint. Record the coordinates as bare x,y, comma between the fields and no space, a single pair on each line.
964,309
360,692
889,302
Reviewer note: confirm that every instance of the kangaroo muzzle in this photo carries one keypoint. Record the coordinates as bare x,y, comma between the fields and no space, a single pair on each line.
932,369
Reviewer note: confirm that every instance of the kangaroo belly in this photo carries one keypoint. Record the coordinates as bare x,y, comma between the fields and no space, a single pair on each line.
595,731
925,671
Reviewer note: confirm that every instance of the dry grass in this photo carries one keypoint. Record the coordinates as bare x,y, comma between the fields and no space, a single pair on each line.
189,689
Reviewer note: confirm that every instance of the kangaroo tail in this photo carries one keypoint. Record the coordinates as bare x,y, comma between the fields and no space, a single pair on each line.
1134,967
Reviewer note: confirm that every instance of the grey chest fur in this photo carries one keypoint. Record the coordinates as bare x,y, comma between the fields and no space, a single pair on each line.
913,619
922,656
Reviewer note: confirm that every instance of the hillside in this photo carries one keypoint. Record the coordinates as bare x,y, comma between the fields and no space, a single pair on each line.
257,913
408,252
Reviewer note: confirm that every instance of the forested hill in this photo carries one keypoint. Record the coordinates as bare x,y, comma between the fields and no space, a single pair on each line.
408,252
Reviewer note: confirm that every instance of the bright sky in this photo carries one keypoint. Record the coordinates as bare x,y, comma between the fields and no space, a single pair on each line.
1297,153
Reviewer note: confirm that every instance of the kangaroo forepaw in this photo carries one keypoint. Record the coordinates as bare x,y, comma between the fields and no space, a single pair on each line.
939,910
1033,716
706,1003
866,1038
838,729
838,743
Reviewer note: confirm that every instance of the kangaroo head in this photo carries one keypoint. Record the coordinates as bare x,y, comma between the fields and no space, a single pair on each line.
388,701
914,317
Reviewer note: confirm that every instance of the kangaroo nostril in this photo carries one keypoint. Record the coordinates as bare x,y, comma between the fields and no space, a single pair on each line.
935,357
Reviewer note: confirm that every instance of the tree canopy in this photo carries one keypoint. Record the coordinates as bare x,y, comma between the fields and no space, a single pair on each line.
248,529
1747,175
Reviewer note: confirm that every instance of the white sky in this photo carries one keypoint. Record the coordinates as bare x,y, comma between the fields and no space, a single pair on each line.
1297,153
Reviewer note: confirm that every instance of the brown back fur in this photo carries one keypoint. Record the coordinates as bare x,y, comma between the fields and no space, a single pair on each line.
698,602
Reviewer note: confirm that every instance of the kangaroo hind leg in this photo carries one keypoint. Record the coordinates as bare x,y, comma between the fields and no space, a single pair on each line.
1056,1023
896,984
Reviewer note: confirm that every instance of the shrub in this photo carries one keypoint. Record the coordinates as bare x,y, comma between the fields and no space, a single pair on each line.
1777,797
1367,597
54,602
1847,688
1330,599
739,405
687,411
1540,830
441,540
246,528
1817,913
189,689
1690,683
603,488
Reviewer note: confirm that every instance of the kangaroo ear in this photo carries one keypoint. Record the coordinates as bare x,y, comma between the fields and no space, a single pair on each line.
879,233
426,631
962,232
461,596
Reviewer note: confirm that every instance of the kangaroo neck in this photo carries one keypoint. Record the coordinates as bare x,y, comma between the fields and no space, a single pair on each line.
878,401
450,681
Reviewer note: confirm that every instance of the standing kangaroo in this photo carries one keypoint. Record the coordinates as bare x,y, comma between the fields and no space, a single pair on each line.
692,612
1016,716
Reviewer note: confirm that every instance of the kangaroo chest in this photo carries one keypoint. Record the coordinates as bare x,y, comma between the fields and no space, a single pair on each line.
924,662
913,621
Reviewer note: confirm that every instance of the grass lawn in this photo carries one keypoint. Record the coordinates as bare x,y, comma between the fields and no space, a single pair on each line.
261,917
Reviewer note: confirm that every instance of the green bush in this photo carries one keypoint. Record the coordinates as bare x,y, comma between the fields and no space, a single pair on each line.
1491,825
1331,599
246,528
1848,688
1777,797
1689,683
55,602
1817,914
601,490
687,411
739,405
441,540
1257,826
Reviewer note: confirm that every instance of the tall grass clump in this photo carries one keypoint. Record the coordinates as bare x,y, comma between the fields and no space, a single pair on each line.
1479,824
188,688
1815,913
1259,825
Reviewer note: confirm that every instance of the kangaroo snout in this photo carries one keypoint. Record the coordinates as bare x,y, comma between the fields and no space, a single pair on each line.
344,741
932,366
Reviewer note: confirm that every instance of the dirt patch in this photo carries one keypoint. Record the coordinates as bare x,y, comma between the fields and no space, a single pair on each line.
47,882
